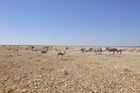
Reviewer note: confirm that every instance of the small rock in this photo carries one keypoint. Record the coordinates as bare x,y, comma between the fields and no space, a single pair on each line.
91,92
40,76
6,78
123,78
24,91
37,80
47,89
66,85
17,90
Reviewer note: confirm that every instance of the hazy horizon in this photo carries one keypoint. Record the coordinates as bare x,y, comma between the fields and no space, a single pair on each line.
70,22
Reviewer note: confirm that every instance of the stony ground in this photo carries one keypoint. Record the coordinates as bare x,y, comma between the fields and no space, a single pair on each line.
28,71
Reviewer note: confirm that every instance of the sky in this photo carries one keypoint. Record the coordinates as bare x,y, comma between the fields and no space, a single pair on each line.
70,22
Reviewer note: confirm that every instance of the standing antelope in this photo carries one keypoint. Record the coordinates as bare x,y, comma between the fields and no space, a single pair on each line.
61,54
89,50
111,50
114,50
98,51
66,48
82,50
43,51
119,51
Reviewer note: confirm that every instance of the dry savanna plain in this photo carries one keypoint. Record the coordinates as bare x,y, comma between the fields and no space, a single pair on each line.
39,69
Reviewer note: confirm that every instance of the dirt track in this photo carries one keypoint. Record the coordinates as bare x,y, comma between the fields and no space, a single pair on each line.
27,71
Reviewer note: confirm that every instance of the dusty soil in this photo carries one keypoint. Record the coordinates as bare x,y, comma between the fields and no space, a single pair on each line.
29,71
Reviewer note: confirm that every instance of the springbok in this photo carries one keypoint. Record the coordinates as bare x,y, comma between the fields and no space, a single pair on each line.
43,51
89,50
114,50
98,51
32,47
66,48
61,54
119,51
82,50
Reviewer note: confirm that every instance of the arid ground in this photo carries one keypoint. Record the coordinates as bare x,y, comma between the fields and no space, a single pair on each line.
27,70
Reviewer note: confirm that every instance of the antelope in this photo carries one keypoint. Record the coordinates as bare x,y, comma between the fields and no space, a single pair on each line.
114,50
32,47
82,50
120,51
66,48
99,51
61,54
89,50
43,51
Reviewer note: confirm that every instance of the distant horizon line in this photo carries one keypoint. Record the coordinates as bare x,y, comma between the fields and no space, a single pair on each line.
69,45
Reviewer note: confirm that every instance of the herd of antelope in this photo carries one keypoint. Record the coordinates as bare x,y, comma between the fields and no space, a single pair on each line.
100,50
46,49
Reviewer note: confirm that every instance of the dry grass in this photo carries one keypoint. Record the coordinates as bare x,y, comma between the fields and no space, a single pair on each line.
28,71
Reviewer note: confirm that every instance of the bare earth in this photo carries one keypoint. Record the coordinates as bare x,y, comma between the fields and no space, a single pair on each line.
29,71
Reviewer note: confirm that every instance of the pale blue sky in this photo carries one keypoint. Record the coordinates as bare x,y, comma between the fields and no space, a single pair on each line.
70,22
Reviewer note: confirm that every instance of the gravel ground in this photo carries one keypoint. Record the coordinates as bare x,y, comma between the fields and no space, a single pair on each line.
28,71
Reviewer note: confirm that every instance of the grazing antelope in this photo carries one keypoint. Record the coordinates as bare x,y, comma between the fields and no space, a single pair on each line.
60,54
